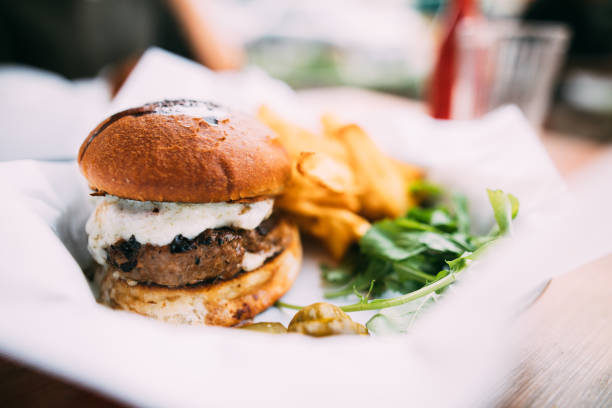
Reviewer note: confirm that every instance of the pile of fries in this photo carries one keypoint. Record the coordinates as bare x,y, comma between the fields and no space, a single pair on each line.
340,181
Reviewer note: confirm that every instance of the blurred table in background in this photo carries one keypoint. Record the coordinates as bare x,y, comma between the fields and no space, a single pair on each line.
565,337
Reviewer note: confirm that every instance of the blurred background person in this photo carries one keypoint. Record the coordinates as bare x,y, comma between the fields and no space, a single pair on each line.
78,38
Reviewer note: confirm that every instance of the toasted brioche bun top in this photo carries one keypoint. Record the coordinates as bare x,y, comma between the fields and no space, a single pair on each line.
184,151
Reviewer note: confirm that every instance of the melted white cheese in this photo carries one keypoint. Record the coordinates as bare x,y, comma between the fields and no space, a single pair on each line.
253,260
157,223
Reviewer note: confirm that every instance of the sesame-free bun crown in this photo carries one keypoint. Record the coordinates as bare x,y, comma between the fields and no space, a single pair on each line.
184,151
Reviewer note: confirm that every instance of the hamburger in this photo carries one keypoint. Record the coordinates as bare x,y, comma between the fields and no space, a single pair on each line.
184,229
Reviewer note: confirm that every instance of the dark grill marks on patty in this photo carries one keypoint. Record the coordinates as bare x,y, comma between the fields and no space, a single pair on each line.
129,251
181,244
214,254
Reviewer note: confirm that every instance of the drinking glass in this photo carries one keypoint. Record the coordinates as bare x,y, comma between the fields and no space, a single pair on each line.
507,62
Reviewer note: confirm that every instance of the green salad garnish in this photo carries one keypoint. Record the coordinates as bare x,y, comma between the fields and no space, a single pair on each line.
415,256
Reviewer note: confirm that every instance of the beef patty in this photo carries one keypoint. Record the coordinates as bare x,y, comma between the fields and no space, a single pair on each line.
214,254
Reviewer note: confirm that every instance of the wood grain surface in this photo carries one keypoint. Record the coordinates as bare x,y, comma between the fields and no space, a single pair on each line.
566,344
565,337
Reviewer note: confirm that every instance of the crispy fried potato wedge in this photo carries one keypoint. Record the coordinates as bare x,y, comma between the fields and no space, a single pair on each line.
340,179
385,192
333,175
297,139
337,228
303,188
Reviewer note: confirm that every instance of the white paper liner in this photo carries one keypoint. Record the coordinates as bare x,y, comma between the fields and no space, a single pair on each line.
460,347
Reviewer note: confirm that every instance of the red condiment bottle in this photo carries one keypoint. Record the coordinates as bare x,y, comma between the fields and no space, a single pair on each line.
445,71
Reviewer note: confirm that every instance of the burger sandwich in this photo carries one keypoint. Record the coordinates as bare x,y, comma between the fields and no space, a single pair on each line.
184,229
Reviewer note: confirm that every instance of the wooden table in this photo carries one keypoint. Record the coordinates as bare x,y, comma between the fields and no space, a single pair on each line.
565,337
566,343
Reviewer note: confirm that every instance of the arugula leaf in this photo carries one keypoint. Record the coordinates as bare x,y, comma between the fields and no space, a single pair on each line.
405,238
399,284
515,205
344,271
430,217
505,209
336,274
462,213
425,189
460,263
381,241
413,224
375,270
433,241
399,319
372,270
407,271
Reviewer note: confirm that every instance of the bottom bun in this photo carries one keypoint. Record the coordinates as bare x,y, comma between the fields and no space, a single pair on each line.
223,303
